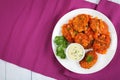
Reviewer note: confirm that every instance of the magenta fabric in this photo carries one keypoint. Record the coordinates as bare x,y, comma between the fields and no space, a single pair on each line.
25,35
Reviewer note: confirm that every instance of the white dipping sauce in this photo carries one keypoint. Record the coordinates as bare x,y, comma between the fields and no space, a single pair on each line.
75,52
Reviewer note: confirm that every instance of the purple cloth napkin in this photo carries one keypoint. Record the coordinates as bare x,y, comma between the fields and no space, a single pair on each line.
25,35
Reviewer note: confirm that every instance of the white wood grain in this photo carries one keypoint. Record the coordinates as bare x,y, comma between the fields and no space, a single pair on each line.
36,76
93,1
14,72
116,1
2,70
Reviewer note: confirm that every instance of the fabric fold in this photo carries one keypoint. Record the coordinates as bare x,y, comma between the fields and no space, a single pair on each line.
26,30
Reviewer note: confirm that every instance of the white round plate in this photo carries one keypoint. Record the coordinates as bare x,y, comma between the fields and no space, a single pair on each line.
103,60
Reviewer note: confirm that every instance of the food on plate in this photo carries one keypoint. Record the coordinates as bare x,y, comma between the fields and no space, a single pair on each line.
99,26
83,32
89,60
75,52
88,31
102,43
61,43
80,22
84,40
67,29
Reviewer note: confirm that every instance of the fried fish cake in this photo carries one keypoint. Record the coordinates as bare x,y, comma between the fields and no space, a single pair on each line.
94,24
85,40
104,28
89,60
101,44
67,31
80,22
99,26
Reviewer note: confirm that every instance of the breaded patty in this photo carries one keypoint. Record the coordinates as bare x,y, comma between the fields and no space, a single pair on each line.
66,31
89,60
101,44
80,22
84,39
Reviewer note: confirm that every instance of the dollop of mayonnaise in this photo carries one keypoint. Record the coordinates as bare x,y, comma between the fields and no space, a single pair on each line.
75,52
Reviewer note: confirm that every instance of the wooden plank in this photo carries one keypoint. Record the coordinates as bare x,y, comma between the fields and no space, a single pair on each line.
14,72
2,70
93,1
116,1
36,76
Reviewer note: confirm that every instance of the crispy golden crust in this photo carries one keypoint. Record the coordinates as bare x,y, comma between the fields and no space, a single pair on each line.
101,44
88,64
89,32
99,26
84,40
66,28
94,24
80,22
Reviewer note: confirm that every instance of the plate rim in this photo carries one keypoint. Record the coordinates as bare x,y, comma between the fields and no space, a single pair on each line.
52,40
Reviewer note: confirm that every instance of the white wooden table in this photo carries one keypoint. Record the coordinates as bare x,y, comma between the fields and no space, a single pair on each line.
10,71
